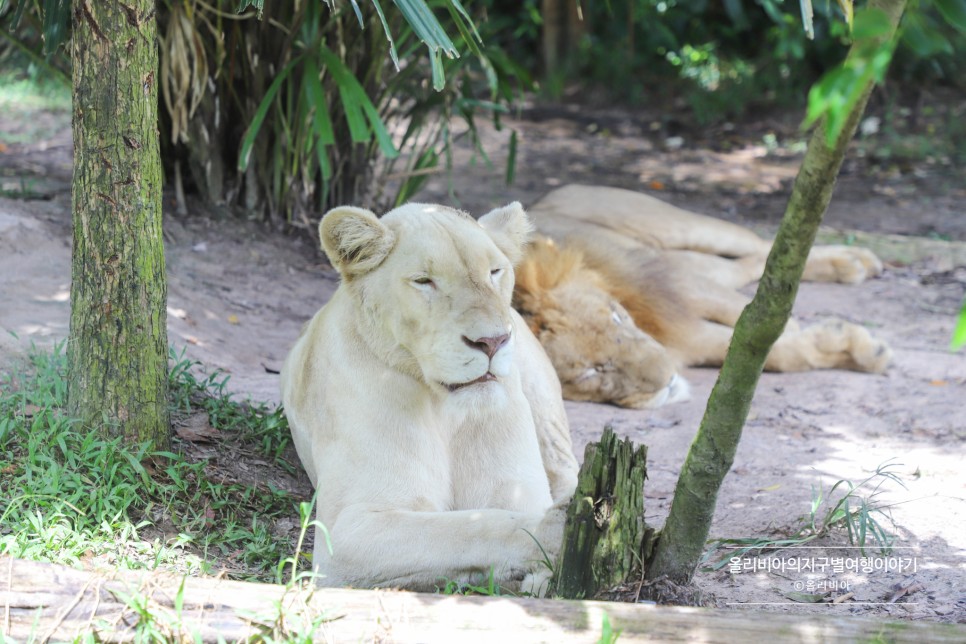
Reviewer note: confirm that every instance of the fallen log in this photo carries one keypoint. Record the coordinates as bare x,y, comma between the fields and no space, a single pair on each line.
40,602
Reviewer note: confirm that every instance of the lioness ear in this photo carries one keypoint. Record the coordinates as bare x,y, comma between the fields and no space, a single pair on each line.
509,227
355,240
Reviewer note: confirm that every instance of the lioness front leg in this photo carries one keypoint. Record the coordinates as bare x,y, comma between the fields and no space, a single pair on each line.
374,546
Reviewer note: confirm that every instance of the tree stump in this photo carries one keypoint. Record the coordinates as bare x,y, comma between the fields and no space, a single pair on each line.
606,540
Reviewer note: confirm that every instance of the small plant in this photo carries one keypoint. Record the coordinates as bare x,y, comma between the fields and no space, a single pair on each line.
489,589
857,510
607,633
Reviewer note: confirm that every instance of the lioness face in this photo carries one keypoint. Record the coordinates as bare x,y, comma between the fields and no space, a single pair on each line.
600,354
440,292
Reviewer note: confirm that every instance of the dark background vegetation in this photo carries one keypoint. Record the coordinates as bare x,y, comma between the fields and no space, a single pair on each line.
278,111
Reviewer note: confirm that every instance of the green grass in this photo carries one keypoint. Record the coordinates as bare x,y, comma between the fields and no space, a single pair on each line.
70,495
852,507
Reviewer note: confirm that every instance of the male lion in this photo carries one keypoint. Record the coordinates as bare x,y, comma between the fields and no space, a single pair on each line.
623,289
426,414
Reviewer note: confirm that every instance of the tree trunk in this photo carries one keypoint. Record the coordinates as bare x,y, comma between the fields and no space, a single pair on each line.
605,538
682,541
118,348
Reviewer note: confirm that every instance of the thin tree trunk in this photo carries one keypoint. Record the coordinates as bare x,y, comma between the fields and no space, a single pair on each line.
683,538
118,347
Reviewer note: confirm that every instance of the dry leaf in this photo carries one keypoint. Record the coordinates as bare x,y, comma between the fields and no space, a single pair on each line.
29,411
197,429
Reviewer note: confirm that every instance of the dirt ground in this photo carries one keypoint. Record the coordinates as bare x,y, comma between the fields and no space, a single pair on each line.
238,296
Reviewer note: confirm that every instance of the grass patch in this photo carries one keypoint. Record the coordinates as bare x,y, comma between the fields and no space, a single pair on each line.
72,496
849,506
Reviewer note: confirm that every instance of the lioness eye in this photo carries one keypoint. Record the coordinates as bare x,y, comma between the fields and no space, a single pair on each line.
423,281
496,273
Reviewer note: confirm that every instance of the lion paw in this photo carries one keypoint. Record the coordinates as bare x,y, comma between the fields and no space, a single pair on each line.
850,346
843,264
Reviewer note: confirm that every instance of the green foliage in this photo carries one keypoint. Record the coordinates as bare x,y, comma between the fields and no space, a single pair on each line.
71,495
286,109
835,96
489,588
333,99
255,423
855,509
959,333
607,633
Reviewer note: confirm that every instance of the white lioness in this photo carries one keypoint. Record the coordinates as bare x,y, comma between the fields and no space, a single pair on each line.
623,289
423,409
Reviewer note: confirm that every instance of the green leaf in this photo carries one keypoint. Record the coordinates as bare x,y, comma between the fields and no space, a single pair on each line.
357,106
56,17
321,121
870,23
467,17
511,160
923,38
355,7
959,333
419,16
837,93
439,78
249,138
954,12
385,27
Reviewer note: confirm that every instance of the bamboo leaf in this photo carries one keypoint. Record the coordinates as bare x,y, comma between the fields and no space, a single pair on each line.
953,12
321,121
419,16
351,93
358,12
56,16
316,97
511,160
358,106
253,128
459,7
385,27
436,61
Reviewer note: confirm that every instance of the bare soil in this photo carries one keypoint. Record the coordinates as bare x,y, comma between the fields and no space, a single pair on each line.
238,296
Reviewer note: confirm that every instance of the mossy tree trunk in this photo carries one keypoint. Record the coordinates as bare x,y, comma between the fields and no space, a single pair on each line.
117,352
682,541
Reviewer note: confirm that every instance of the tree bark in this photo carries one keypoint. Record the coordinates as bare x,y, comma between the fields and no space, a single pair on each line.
682,541
605,538
118,347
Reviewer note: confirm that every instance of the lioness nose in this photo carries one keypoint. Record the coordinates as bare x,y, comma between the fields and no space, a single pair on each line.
489,345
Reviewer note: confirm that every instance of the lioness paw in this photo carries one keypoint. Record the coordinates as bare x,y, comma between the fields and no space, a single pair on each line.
549,533
843,264
537,583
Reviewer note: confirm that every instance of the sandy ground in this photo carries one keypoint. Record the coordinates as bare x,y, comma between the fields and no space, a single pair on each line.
239,295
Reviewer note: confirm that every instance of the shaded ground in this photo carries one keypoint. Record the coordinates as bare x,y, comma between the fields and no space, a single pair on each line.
239,295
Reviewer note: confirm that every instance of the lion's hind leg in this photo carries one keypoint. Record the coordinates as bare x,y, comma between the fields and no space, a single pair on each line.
843,264
830,344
